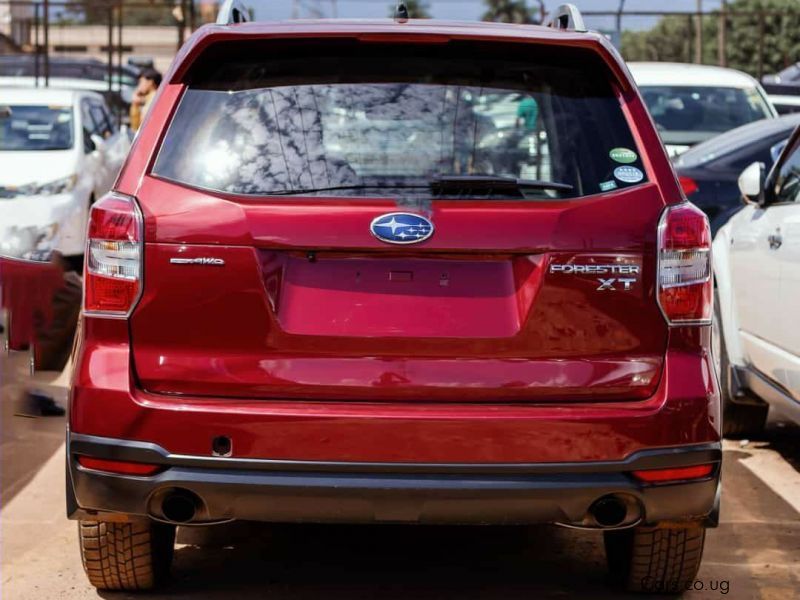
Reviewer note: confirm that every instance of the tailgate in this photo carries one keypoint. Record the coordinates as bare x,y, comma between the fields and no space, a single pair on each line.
523,267
499,307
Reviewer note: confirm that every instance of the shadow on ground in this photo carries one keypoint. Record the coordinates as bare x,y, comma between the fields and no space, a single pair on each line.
389,561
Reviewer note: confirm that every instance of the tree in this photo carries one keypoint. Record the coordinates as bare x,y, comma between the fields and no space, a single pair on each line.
671,39
509,11
159,12
781,45
417,9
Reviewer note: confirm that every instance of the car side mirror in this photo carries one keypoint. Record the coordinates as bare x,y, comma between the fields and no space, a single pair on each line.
751,183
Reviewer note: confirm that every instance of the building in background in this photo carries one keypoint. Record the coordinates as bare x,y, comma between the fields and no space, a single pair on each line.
158,42
16,23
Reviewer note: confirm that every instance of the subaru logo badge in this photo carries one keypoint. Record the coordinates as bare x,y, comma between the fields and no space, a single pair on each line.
401,228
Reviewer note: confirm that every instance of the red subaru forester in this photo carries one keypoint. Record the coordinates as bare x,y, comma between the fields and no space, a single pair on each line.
396,272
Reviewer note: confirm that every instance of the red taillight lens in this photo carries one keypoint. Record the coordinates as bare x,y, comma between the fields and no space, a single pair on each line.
119,467
685,288
688,185
113,257
678,474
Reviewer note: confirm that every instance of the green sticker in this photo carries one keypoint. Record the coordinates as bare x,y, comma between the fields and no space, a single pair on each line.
606,186
623,155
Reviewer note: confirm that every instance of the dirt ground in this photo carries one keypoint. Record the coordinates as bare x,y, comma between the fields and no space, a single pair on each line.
754,553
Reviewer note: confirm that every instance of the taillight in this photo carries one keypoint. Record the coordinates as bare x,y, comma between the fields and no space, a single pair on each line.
113,269
688,185
685,288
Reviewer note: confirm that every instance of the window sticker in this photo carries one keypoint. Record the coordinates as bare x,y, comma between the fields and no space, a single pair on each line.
606,186
628,174
623,155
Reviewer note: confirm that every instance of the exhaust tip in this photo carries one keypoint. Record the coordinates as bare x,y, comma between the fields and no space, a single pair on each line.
180,506
609,511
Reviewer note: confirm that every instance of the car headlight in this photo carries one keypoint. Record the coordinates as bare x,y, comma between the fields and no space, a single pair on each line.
51,188
24,242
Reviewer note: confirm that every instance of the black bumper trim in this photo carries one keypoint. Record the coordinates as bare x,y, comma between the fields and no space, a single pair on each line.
292,491
114,449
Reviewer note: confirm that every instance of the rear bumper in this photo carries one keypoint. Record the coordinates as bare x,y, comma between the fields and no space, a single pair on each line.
107,402
314,491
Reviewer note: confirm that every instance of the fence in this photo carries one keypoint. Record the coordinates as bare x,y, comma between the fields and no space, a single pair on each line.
114,31
756,41
102,43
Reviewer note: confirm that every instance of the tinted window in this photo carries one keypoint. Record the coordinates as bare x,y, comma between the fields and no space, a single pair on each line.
35,127
787,186
390,118
102,122
688,115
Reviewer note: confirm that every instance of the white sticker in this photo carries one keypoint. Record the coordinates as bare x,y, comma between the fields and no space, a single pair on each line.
606,186
628,174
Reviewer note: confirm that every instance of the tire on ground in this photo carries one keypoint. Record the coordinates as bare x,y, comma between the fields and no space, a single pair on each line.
655,559
126,556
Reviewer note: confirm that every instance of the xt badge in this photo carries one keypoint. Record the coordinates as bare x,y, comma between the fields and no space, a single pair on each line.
608,284
629,274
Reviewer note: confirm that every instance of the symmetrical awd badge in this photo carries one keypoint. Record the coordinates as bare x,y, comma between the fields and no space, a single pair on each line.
401,228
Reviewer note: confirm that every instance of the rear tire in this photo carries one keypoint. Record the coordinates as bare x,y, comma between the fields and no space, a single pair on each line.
739,419
126,556
655,559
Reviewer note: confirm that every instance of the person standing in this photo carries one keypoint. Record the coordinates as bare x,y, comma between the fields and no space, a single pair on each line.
149,80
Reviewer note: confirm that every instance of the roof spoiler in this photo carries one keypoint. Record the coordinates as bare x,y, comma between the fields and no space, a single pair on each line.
232,11
567,17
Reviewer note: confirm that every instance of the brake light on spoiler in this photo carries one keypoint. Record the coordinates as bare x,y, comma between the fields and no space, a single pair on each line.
113,257
685,286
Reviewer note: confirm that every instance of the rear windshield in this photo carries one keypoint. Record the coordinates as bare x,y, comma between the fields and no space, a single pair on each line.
689,115
31,127
350,120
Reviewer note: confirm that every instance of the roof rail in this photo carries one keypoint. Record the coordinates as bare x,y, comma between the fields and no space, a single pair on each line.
567,17
232,11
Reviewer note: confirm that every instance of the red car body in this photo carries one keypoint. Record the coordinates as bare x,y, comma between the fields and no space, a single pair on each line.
465,376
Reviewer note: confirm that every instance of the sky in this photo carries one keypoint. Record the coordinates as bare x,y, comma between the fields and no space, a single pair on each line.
468,9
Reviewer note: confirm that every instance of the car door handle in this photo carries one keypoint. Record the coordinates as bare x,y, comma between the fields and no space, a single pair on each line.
775,240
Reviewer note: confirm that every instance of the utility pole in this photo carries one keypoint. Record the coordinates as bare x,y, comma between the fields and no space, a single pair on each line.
46,25
761,33
542,11
110,66
698,34
619,24
722,40
36,44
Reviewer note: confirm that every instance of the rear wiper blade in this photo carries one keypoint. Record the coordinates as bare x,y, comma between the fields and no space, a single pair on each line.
368,186
493,182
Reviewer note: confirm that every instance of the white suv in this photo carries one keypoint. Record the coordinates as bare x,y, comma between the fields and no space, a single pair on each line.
59,151
757,267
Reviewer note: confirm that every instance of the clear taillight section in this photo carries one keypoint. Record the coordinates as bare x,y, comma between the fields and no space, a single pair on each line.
685,287
113,257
